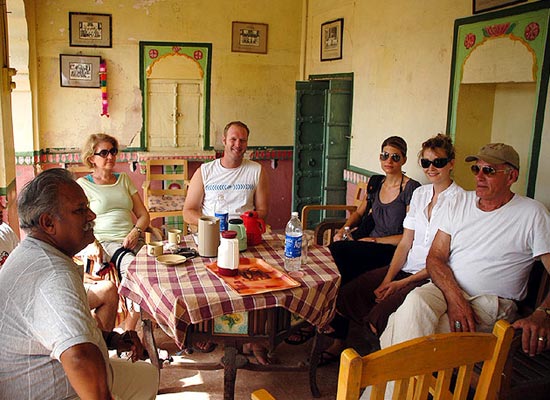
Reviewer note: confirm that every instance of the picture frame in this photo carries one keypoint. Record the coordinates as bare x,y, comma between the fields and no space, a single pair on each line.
79,71
249,37
480,6
331,39
89,30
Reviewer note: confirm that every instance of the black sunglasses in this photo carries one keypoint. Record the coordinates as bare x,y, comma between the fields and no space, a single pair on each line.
438,162
394,156
104,153
487,170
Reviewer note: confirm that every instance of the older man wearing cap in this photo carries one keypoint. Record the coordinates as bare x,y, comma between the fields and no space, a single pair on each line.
480,260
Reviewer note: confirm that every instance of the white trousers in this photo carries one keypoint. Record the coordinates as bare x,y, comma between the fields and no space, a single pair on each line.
134,381
424,312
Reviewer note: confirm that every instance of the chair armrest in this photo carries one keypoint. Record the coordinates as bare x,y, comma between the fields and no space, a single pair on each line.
261,394
327,207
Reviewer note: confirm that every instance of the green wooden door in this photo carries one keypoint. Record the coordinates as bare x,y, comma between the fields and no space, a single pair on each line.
321,144
337,138
308,178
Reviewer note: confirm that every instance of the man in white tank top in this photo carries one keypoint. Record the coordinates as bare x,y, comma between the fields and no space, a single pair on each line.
243,183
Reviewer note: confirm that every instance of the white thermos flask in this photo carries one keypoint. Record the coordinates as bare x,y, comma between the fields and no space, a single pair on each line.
228,254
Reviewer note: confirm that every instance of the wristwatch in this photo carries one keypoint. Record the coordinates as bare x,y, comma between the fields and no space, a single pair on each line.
545,310
138,229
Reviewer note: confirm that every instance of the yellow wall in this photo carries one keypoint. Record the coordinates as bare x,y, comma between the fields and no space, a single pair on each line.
400,54
256,88
542,192
473,126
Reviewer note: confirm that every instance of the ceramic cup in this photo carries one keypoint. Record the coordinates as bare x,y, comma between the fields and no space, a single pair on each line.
174,236
209,236
155,249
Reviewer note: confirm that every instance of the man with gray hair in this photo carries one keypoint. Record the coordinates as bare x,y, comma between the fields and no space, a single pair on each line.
52,347
480,260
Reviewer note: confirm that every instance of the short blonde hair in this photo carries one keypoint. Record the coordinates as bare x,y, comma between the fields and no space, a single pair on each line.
93,140
236,123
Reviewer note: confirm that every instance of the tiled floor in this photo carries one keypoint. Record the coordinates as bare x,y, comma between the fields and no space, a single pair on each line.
208,385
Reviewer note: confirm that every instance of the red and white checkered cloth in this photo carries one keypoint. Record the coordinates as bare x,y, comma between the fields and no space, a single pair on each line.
177,296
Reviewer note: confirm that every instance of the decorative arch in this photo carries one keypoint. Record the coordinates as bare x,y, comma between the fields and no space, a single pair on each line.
163,67
502,48
504,58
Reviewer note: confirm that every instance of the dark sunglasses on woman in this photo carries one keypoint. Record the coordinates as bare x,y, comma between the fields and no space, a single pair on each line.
487,170
104,153
394,156
438,162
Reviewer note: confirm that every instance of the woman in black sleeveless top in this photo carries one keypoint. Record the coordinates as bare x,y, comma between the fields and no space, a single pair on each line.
371,246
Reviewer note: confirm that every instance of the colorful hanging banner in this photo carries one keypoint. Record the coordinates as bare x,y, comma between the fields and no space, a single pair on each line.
103,84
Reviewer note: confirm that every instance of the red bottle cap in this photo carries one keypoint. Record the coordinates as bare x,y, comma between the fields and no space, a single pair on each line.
229,234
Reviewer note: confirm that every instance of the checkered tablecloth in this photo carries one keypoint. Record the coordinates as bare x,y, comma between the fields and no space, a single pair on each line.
188,293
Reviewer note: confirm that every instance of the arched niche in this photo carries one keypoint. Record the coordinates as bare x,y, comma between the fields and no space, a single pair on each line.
175,83
496,80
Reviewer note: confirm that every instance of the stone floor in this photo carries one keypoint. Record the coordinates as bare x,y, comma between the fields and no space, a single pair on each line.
185,384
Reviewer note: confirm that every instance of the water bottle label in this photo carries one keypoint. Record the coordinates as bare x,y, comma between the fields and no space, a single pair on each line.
293,246
223,221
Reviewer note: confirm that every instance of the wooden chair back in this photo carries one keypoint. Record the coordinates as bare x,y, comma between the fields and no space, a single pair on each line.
79,170
165,187
425,366
325,230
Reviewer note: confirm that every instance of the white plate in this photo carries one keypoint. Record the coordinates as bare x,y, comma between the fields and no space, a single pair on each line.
171,259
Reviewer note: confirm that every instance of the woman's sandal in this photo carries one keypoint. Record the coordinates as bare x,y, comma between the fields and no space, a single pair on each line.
301,336
258,351
205,347
327,358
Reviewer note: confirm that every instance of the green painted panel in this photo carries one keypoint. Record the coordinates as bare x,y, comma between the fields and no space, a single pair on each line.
309,143
323,124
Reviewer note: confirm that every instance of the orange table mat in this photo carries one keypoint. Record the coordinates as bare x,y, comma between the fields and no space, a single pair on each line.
255,276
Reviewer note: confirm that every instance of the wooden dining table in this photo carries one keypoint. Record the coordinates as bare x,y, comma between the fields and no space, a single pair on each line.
190,302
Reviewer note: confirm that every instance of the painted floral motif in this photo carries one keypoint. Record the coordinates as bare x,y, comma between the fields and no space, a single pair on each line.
532,31
231,319
176,49
498,29
153,53
198,55
469,40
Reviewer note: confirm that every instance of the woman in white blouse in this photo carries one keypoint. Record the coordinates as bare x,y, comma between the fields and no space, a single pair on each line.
373,296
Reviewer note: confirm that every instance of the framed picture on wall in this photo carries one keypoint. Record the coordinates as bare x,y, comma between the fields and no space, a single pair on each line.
486,5
249,37
79,71
89,30
331,40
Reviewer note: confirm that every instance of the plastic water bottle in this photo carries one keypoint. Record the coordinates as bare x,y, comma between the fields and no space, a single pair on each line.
293,243
221,211
347,234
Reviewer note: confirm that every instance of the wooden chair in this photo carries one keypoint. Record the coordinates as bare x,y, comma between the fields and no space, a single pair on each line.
79,170
523,373
425,366
325,230
165,188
